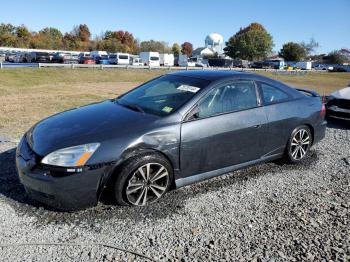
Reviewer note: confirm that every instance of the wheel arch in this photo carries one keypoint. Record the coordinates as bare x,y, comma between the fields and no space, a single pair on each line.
127,156
312,130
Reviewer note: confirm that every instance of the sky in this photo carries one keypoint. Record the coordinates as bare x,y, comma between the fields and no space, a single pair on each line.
327,21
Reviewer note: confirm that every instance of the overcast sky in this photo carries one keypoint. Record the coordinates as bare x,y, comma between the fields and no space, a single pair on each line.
327,21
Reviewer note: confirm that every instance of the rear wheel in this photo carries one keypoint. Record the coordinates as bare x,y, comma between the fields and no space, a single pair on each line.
143,180
299,144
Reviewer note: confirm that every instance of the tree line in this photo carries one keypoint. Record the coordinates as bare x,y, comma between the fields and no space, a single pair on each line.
252,43
80,39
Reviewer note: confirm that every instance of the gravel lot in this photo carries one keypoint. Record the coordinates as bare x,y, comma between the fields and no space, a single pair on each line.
269,212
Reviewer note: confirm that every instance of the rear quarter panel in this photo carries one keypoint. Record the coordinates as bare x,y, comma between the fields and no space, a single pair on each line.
284,117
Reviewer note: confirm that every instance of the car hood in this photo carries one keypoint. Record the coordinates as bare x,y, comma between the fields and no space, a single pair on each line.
342,93
92,123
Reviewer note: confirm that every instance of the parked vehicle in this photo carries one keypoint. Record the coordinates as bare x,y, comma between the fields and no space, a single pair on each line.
119,59
323,67
304,65
87,60
150,58
240,63
183,60
95,54
172,131
84,54
338,69
19,58
166,59
39,57
102,59
2,57
338,104
136,61
65,58
10,57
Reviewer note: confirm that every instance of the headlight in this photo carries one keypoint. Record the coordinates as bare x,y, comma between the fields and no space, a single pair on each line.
71,156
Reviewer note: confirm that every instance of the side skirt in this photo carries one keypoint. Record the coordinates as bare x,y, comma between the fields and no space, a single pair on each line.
204,176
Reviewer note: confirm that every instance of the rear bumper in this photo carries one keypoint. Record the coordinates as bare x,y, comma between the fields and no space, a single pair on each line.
320,132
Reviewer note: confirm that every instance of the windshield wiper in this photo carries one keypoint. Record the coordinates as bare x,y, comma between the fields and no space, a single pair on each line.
133,107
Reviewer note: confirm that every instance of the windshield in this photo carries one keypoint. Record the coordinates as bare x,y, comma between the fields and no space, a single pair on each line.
163,95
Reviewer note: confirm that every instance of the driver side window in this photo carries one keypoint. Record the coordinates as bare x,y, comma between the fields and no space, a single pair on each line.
231,97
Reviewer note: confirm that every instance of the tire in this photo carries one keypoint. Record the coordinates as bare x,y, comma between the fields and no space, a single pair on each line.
134,187
299,144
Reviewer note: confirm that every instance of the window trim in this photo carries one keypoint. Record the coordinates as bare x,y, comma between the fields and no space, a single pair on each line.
259,103
264,103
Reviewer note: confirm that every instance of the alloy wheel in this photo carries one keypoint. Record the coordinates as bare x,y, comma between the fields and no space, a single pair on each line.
300,144
147,184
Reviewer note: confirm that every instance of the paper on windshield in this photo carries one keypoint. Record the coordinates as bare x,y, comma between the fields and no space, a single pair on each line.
188,88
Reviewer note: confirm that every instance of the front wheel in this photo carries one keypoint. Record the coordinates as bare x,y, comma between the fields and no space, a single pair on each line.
143,180
299,144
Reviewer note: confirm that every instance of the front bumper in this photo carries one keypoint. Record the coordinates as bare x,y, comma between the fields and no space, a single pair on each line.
68,192
338,112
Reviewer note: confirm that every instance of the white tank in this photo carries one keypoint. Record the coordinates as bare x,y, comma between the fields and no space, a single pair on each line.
214,39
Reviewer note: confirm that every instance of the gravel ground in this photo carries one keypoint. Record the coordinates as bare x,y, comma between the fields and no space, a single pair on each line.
268,212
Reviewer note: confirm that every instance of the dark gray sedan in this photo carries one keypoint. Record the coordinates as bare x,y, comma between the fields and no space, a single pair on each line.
170,132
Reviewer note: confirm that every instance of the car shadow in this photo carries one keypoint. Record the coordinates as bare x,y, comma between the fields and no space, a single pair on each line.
172,203
338,124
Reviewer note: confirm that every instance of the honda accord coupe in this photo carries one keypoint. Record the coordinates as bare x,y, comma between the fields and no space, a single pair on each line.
172,131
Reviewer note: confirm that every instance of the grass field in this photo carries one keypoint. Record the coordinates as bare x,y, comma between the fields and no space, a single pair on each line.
28,95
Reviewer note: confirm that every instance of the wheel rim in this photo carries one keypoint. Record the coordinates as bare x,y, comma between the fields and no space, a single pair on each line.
148,183
300,144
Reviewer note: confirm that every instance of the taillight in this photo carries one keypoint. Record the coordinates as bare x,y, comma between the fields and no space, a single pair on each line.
323,110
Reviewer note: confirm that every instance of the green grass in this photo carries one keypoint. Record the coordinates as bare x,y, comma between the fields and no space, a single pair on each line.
27,95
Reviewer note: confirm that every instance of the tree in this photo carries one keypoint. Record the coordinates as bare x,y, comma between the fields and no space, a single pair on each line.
7,35
23,36
82,32
51,38
292,52
175,49
250,43
310,47
187,49
71,42
154,46
335,57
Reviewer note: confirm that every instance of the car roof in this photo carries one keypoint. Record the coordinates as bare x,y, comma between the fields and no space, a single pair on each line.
214,75
211,75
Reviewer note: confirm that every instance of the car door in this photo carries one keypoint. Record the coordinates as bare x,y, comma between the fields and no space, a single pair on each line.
282,113
225,128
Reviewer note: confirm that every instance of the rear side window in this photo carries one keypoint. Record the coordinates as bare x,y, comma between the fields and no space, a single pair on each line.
123,57
231,97
272,94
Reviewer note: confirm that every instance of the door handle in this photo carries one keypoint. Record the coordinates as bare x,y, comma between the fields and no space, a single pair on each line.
257,126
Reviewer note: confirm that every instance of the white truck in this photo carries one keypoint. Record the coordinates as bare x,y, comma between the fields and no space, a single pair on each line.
150,58
166,59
